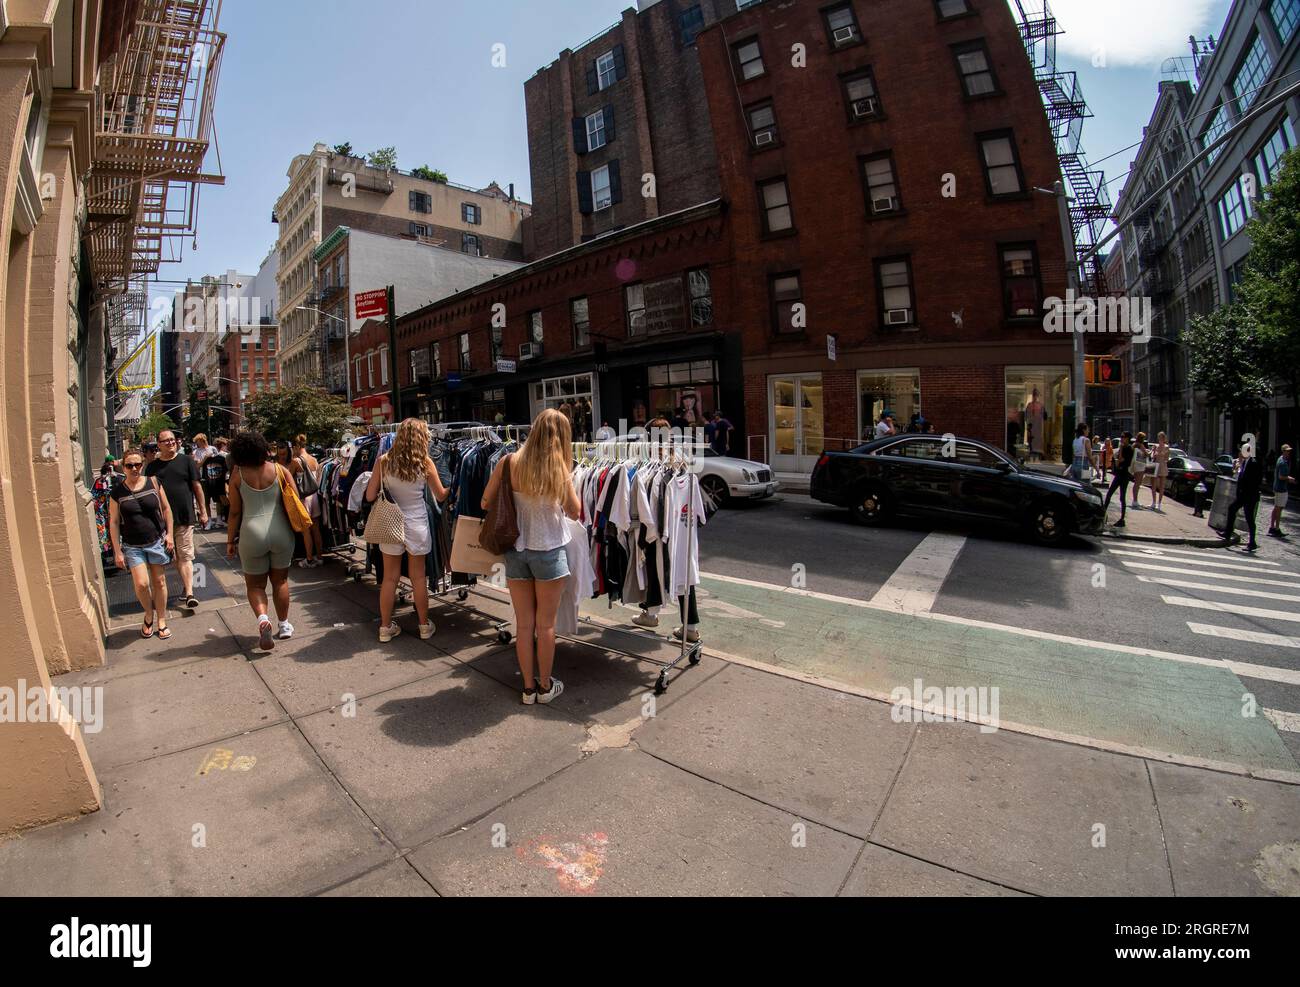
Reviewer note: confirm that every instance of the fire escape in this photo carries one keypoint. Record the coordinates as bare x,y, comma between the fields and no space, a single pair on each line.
153,125
1090,205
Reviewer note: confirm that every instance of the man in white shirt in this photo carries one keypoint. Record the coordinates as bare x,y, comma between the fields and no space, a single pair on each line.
885,426
605,433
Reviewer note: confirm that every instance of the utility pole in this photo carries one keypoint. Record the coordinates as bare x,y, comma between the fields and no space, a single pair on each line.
392,356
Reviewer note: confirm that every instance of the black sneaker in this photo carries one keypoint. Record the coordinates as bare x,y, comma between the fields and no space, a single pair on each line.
1118,524
1252,547
191,601
1274,533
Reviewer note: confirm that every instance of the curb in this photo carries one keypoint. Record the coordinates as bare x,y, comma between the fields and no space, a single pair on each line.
1167,540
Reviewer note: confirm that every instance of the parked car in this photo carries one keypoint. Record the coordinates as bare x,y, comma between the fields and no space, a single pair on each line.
722,478
1185,473
911,475
1224,465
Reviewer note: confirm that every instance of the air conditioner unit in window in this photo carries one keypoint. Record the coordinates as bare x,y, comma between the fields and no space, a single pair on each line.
884,204
843,35
864,107
898,317
763,137
530,351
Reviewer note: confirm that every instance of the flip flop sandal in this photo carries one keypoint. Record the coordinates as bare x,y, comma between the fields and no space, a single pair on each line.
164,633
147,630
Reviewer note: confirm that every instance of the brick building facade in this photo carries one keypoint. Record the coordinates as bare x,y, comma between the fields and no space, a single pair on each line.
249,367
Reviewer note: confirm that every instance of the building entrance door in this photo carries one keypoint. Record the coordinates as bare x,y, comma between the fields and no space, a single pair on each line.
796,422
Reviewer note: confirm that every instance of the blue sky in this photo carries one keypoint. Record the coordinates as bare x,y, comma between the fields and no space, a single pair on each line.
418,74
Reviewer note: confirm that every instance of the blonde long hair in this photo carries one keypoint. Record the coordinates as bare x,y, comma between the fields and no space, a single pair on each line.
541,468
410,451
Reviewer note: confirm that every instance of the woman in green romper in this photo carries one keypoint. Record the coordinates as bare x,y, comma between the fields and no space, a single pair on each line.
260,528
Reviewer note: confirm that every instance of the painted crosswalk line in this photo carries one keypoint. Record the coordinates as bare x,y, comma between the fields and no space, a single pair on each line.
1245,611
1249,637
915,584
1258,594
1209,564
1283,720
1203,574
1163,552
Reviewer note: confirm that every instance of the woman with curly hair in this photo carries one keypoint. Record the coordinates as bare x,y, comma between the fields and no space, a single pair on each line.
260,530
405,471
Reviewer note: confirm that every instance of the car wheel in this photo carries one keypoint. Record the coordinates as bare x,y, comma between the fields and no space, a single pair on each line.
714,489
1050,522
872,507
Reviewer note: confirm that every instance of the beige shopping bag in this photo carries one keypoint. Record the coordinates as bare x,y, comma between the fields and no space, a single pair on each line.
467,555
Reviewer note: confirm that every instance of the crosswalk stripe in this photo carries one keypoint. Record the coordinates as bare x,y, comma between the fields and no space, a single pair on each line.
1250,637
1213,565
1148,567
1280,718
1231,590
916,583
1187,601
1162,551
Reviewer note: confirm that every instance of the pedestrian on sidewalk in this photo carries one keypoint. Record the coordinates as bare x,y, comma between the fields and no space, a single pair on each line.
260,531
306,475
215,470
140,522
404,472
1141,463
179,477
1082,453
537,567
1282,478
1250,474
1123,464
1160,458
150,450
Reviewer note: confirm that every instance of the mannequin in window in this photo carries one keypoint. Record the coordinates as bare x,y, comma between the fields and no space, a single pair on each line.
1032,417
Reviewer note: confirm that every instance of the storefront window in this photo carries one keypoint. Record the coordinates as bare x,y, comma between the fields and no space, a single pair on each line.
419,365
431,410
1036,399
879,391
684,393
491,407
575,396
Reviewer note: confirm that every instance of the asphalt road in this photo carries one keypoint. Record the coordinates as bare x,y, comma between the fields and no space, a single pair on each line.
1214,604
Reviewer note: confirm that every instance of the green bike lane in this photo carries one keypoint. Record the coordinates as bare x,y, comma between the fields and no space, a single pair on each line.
1154,704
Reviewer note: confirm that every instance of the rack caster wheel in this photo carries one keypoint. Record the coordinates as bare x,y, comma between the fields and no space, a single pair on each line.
462,594
694,659
505,637
356,577
661,684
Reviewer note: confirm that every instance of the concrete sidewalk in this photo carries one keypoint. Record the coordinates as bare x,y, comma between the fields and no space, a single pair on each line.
228,771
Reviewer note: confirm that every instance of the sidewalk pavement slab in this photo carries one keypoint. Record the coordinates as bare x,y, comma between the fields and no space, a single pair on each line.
1173,524
316,673
180,708
1023,812
883,873
625,823
127,653
281,826
311,614
1229,835
427,757
825,756
395,879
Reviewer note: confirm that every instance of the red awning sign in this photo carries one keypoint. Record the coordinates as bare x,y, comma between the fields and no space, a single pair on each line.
372,304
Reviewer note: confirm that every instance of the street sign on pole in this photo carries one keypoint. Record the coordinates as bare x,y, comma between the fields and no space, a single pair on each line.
372,304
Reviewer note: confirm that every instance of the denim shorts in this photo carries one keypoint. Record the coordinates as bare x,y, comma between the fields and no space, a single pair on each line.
155,554
542,566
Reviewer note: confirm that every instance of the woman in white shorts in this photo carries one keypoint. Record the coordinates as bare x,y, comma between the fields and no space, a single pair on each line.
1141,463
1160,456
404,472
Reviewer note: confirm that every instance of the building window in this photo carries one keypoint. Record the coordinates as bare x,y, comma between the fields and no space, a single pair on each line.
356,366
762,124
1268,160
580,316
774,197
882,186
897,306
370,368
469,244
420,229
470,213
634,303
860,98
787,304
975,68
535,325
879,391
749,59
1254,69
1021,297
692,23
595,130
1218,127
606,71
464,351
496,340
243,345
257,365
270,365
270,343
691,389
1001,166
701,297
1286,15
602,193
419,365
435,351
243,366
419,201
1233,211
951,8
842,26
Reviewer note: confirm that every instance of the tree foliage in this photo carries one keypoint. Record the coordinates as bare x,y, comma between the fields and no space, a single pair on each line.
152,424
384,157
1227,358
430,174
345,149
299,409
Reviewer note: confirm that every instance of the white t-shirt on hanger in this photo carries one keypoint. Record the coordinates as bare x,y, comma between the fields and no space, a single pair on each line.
683,493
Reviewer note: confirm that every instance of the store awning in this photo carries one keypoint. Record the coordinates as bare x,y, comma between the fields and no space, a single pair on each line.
132,410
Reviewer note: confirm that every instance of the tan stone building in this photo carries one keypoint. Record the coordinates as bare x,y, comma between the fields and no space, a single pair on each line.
96,129
327,190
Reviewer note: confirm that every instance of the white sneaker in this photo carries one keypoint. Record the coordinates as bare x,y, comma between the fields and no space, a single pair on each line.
264,639
286,630
646,619
386,634
692,635
426,631
545,697
304,563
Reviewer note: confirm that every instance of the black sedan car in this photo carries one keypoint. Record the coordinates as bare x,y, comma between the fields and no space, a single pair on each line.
954,479
1185,473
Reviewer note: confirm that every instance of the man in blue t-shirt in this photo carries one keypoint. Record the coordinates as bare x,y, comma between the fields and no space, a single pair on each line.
1281,479
718,433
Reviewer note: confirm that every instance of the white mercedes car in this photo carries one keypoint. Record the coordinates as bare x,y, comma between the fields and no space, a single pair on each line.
722,477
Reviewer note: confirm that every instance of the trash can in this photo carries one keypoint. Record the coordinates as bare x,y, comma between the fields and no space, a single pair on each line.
1225,492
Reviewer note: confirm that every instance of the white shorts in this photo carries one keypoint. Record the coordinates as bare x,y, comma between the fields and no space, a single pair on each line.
418,539
1280,498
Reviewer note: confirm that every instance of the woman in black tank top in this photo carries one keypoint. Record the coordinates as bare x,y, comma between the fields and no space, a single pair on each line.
140,525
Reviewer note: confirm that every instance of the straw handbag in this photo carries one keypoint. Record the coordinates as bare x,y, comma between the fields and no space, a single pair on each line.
386,525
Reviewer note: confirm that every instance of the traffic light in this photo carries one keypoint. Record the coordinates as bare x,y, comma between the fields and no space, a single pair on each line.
1103,371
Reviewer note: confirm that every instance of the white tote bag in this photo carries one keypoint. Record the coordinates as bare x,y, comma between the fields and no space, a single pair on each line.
467,555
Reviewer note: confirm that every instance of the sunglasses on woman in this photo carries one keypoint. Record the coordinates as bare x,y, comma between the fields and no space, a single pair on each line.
132,466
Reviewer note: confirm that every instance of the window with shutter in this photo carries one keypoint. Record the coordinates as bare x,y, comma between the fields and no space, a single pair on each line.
581,143
600,190
595,130
620,63
607,70
584,193
615,183
609,123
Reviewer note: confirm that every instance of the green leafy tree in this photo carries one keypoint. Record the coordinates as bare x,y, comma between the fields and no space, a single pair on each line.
152,424
300,409
200,417
345,149
385,157
1270,287
430,174
1226,353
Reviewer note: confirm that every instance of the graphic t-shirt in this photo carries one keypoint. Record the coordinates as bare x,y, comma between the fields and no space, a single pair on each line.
215,469
683,494
177,476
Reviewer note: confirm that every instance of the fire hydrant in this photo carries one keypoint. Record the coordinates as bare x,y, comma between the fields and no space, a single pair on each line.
1200,493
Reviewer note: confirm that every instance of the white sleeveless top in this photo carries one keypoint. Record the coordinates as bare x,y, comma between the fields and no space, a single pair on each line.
541,524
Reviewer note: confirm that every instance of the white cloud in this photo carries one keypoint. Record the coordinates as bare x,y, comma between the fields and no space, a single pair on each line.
1130,32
